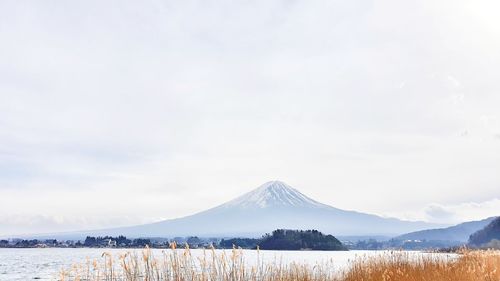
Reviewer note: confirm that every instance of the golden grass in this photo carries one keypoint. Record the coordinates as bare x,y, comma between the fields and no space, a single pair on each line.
179,265
400,266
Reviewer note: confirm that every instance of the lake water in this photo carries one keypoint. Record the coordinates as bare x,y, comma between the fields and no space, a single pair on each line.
45,264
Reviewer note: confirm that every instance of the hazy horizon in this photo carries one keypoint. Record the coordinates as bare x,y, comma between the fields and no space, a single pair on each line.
120,113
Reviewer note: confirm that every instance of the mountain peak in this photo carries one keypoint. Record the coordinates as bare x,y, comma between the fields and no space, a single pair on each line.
272,194
275,186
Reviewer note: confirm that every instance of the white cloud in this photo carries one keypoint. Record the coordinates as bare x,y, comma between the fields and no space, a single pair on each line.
455,213
162,108
438,213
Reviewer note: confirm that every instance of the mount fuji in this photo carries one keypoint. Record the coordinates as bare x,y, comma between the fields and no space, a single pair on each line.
271,206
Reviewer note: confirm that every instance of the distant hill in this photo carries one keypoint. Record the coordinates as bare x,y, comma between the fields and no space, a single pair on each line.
459,233
282,239
487,234
274,205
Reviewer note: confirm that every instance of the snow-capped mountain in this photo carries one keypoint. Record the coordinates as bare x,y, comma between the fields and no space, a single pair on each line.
272,194
270,206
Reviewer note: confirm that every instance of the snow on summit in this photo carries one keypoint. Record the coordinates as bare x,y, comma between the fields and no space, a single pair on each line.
273,193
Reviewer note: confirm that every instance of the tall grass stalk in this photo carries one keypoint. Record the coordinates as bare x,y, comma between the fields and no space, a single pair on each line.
179,265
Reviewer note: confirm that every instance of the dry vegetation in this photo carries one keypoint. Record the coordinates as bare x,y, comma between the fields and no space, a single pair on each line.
469,266
179,265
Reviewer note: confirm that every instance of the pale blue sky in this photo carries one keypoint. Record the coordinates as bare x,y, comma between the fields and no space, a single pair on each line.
123,112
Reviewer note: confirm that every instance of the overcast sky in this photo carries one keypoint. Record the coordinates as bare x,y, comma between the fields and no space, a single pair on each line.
123,112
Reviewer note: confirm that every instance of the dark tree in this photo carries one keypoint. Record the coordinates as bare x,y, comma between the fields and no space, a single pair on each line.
90,241
245,243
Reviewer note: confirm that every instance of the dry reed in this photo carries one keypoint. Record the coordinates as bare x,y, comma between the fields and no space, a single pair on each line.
179,265
400,266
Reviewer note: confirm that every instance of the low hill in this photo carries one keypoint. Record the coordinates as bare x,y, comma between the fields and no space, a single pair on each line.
459,234
282,239
484,236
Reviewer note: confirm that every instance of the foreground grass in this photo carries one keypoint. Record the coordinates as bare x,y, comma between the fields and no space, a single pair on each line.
175,265
468,266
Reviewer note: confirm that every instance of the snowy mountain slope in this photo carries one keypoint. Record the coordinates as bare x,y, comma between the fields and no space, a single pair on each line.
272,194
271,206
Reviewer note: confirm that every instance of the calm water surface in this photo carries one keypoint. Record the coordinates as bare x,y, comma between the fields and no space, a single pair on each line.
45,264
